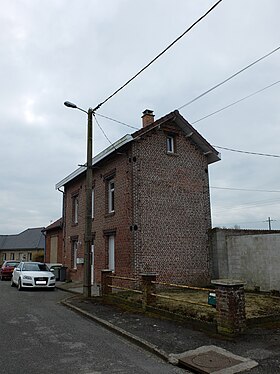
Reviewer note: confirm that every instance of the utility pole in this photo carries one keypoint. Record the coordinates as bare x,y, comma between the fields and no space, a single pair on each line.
88,217
269,220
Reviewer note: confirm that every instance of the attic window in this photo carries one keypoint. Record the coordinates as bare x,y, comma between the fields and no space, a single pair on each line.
170,143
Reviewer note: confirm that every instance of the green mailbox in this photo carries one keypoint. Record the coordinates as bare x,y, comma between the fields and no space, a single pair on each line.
212,298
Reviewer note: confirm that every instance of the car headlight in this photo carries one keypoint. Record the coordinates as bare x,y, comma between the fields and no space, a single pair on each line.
52,278
27,277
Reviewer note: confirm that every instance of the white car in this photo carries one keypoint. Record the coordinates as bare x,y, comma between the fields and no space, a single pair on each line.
32,274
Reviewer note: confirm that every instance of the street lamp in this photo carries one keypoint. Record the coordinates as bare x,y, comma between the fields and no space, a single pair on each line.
88,216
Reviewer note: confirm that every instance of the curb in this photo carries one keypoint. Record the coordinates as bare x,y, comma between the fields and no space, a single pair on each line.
119,331
68,290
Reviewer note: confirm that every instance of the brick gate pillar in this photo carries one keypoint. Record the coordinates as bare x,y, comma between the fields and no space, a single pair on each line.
106,281
231,317
148,288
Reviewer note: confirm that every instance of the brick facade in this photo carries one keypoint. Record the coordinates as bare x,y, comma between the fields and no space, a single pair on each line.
161,215
54,242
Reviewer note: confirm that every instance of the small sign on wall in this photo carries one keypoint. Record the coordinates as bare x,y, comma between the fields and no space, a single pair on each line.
80,260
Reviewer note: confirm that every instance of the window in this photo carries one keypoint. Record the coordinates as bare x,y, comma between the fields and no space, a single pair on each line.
111,195
92,203
75,208
12,256
74,250
4,256
111,252
170,144
29,256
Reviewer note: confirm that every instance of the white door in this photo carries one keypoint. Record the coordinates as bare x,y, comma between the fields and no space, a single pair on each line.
111,248
92,264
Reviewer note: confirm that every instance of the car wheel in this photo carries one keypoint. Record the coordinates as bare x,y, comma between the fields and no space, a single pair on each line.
12,283
19,285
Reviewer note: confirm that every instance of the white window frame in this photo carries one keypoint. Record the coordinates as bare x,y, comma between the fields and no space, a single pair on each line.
76,209
170,144
111,252
75,253
92,202
111,196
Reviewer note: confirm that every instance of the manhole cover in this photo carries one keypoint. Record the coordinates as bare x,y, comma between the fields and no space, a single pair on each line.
211,360
208,362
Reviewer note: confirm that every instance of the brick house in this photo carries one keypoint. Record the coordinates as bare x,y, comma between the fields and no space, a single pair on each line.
54,242
151,205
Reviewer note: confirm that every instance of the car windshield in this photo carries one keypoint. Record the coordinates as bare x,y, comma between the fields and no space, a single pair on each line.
11,264
35,267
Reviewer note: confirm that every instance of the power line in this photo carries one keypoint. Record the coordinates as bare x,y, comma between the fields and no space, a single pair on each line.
158,56
247,206
247,152
114,120
103,132
215,146
235,102
241,223
242,189
226,80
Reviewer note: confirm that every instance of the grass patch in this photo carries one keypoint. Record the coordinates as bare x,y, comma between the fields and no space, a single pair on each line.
257,304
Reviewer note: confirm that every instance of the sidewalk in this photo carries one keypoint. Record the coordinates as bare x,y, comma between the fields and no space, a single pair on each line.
168,339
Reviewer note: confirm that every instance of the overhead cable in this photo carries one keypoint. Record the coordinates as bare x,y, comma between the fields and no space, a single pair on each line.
103,132
114,120
236,102
247,152
229,78
157,57
242,223
215,146
243,189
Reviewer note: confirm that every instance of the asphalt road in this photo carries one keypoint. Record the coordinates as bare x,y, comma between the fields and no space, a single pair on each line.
39,335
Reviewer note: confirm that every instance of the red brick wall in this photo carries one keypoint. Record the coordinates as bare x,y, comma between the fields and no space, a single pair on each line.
55,232
171,192
103,223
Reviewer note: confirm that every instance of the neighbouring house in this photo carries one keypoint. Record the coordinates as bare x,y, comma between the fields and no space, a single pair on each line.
252,256
28,245
54,243
151,205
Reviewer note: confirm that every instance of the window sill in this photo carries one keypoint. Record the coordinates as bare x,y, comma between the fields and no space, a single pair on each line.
111,214
172,154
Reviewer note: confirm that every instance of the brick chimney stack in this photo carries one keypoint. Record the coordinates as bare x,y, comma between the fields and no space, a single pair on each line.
147,118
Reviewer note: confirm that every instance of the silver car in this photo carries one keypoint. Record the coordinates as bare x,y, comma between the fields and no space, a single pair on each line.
32,275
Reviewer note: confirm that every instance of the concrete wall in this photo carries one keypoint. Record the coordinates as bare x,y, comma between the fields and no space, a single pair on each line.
249,255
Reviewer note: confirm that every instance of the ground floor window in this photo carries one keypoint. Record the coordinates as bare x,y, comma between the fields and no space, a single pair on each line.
111,252
74,252
12,256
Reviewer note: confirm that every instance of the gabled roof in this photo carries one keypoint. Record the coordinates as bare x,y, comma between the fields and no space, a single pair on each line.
106,152
55,225
28,239
210,152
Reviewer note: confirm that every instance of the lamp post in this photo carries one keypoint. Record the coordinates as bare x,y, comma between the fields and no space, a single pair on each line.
88,215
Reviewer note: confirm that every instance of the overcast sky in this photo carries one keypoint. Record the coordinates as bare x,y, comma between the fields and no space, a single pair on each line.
57,50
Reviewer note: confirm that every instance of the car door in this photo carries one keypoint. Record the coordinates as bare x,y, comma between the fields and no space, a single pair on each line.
16,273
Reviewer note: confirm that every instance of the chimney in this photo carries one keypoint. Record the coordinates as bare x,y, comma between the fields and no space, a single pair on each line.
147,118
